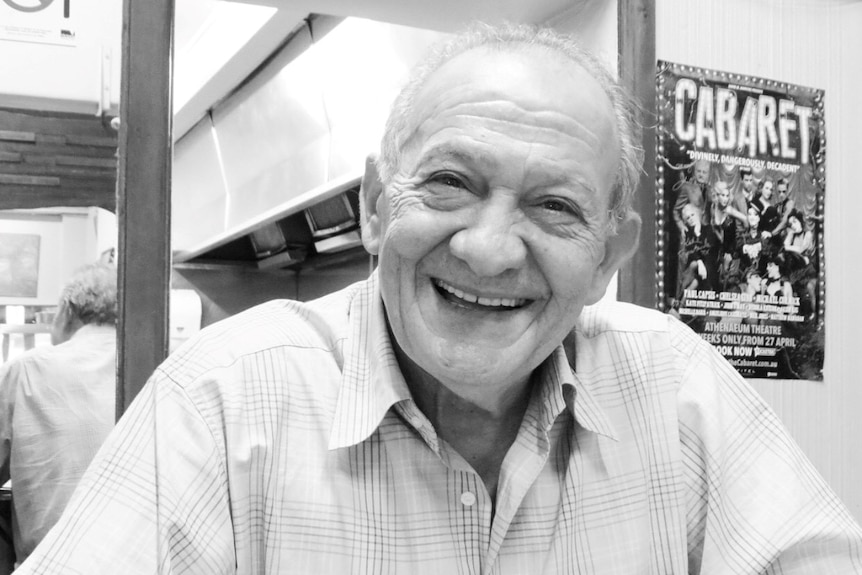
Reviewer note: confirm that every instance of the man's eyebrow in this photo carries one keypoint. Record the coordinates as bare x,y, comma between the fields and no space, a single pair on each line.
551,175
545,175
457,153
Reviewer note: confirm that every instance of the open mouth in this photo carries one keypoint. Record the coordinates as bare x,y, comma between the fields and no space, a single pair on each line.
474,301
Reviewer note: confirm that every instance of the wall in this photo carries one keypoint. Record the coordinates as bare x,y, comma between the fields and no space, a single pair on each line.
814,43
594,22
225,291
315,283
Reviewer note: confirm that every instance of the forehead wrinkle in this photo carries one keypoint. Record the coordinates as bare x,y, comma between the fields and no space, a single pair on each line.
466,147
513,114
576,131
508,113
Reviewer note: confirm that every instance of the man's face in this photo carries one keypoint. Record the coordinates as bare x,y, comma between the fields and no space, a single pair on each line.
492,234
754,282
701,172
781,190
748,182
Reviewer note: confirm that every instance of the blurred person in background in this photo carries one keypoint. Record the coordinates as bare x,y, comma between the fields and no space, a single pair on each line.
57,405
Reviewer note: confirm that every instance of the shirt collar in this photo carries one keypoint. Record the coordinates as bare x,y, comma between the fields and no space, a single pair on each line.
574,390
372,381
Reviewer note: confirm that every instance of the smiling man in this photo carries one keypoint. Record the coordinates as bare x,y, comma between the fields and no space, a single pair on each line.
468,409
494,229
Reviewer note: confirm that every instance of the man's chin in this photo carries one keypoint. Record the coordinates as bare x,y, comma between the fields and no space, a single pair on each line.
476,365
475,329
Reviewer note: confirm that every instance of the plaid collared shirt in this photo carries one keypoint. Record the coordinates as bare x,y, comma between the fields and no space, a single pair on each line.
284,440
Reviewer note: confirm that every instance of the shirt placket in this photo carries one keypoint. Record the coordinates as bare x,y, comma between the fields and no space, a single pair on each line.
470,514
470,508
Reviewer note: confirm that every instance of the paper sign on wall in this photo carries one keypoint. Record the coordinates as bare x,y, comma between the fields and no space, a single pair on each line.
739,207
42,21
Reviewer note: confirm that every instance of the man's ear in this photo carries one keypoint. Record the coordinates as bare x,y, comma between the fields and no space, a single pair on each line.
369,192
619,247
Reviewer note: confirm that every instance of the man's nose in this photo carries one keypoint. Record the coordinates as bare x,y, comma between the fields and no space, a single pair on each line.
491,243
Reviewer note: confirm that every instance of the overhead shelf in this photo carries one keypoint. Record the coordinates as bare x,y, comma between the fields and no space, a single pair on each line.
288,236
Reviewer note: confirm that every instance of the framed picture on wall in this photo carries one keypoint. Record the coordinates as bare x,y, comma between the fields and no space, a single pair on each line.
31,265
19,265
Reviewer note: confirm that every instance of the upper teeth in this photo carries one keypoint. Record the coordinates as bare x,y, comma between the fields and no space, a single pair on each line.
487,301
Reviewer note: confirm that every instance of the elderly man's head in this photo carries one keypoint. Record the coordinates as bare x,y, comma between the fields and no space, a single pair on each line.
90,297
701,171
525,39
507,171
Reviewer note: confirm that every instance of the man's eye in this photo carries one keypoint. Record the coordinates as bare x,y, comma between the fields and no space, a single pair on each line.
556,212
559,205
448,180
555,206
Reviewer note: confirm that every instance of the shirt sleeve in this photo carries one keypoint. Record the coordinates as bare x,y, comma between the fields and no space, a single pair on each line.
154,500
755,502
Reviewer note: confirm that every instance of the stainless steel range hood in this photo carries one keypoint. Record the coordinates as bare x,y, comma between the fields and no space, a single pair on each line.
294,135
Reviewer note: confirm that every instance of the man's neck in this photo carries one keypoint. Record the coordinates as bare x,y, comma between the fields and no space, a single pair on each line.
481,429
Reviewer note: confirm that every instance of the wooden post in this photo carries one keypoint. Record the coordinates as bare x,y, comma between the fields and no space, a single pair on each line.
637,60
143,195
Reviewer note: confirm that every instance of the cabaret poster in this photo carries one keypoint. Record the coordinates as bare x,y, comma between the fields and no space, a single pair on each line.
740,182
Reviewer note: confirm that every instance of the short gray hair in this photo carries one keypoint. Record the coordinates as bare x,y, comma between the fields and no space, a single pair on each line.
511,36
91,294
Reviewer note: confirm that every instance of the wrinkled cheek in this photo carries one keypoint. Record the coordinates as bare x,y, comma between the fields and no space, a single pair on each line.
418,234
399,246
571,282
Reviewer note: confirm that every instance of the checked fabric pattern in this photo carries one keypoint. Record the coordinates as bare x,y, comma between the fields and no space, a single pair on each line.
284,440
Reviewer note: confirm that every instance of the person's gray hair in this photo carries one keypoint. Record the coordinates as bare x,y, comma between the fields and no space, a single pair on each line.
511,36
91,294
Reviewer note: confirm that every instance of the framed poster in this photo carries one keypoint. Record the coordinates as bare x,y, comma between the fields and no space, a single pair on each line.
31,259
739,207
19,265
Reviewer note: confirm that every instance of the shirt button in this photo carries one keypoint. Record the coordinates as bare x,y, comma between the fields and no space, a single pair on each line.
468,499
